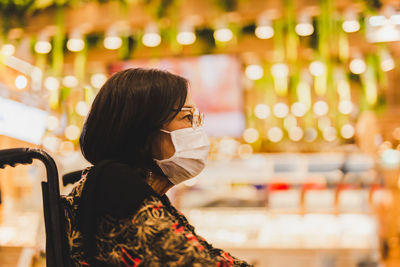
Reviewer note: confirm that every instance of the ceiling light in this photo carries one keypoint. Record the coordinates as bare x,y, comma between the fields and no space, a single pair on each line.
151,36
223,34
254,72
304,25
186,35
264,28
350,23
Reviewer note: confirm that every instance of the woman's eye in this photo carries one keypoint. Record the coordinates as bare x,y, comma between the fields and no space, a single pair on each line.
188,117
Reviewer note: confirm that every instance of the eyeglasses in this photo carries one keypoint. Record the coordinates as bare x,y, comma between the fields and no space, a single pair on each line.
197,116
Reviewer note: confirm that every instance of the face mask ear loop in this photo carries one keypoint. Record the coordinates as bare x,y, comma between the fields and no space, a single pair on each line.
165,131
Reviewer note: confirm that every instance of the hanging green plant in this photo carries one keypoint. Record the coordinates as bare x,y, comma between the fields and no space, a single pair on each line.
373,4
128,45
64,93
313,40
206,36
248,29
158,8
94,39
58,46
227,5
291,36
13,13
279,46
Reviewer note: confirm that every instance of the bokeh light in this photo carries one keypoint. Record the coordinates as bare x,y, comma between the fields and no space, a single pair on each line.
70,81
317,68
320,108
52,123
8,50
275,134
98,79
51,83
304,25
75,44
151,39
112,42
82,108
72,132
390,159
351,25
280,70
310,134
43,47
254,72
264,32
357,66
304,29
223,35
296,133
281,110
51,142
250,135
186,37
347,131
329,134
21,82
298,109
228,145
262,111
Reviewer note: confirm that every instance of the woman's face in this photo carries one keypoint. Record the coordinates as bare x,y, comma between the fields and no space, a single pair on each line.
163,147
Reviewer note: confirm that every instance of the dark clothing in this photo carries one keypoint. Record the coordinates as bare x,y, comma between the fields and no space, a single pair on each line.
125,223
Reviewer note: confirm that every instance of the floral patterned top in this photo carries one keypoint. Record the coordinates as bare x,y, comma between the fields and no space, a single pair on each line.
157,234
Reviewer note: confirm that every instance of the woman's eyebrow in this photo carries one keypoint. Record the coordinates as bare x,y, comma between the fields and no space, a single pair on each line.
188,107
185,112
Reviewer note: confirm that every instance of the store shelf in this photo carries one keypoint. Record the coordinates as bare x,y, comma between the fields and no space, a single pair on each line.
258,228
291,168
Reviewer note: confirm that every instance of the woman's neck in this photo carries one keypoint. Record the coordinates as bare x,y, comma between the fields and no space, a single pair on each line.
160,184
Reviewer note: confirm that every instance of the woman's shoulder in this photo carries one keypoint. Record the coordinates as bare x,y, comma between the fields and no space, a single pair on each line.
115,188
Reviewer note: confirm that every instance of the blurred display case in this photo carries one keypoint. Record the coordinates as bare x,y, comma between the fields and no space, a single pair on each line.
289,209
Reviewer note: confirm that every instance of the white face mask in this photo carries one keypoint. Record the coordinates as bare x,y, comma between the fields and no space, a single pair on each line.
191,151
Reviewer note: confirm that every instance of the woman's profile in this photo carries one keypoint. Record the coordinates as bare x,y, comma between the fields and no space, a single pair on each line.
143,135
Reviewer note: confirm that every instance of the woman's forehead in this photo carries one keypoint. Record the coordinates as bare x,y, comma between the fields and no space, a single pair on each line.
189,100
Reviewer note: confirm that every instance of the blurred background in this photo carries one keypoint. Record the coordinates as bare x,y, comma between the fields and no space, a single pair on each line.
302,108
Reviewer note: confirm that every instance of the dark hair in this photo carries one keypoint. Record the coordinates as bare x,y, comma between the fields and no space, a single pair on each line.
128,111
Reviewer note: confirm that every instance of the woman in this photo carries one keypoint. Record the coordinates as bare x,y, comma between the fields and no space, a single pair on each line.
143,135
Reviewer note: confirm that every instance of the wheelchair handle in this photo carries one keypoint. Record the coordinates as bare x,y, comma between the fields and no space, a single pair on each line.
15,156
72,177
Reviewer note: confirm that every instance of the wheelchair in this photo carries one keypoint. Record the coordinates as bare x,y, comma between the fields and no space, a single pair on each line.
56,241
